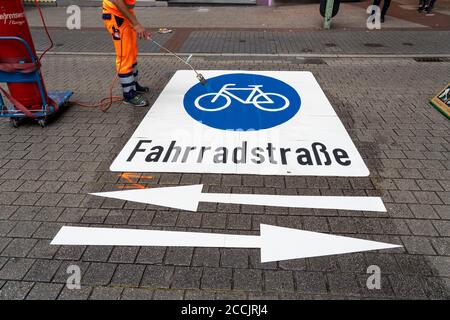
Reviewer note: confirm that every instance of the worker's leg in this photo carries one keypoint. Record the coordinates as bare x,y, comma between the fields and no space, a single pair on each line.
124,39
139,88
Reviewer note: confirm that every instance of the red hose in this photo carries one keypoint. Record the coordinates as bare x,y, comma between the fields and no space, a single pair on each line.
105,103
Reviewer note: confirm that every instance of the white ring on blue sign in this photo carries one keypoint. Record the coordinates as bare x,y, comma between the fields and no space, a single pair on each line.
242,102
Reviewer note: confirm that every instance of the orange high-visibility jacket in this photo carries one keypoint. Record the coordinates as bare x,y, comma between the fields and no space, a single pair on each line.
109,7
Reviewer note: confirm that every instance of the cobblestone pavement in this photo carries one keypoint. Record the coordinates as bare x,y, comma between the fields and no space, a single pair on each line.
304,16
261,42
46,175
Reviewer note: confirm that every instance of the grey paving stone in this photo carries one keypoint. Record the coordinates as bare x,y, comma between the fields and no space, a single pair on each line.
168,295
128,275
422,227
437,288
186,278
43,270
413,264
48,214
206,257
407,286
15,290
70,252
75,294
165,219
25,213
443,227
429,185
278,281
230,295
427,197
199,295
16,268
47,230
97,253
299,264
179,256
137,294
403,196
99,274
19,247
343,283
247,279
214,220
418,245
442,246
151,255
7,211
106,293
124,254
443,211
141,217
440,265
310,282
235,258
325,263
72,215
157,277
263,296
6,227
43,249
216,278
95,216
355,262
189,220
118,217
421,211
44,291
406,184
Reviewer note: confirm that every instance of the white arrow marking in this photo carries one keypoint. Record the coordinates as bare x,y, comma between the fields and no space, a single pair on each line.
188,198
276,243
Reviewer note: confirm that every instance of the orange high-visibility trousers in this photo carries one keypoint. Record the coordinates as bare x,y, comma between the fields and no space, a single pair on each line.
125,42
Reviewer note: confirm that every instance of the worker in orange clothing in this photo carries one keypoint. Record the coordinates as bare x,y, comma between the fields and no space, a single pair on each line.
121,22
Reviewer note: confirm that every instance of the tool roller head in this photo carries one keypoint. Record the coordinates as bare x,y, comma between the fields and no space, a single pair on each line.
202,79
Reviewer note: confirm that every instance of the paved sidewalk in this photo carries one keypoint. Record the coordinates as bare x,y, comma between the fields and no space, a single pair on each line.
46,175
351,16
261,42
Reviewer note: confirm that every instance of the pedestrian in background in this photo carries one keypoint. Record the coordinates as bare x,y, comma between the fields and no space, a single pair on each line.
385,8
426,5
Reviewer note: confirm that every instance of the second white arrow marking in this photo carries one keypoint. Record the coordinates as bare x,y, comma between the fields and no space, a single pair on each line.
276,243
188,198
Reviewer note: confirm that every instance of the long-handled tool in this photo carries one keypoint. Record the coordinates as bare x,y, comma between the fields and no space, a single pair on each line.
200,77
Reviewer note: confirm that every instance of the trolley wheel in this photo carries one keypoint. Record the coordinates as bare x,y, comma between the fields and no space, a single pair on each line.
14,122
42,122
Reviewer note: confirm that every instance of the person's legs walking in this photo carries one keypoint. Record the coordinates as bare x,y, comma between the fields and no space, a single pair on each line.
422,4
430,6
386,5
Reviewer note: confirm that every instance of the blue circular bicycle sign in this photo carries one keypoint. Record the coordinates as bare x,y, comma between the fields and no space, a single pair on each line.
242,101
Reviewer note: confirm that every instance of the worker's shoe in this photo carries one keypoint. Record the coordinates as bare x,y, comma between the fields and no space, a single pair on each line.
135,100
141,89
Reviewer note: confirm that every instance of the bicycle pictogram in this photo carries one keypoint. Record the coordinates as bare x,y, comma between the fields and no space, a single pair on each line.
266,101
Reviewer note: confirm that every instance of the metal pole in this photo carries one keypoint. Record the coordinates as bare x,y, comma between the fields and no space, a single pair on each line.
328,14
